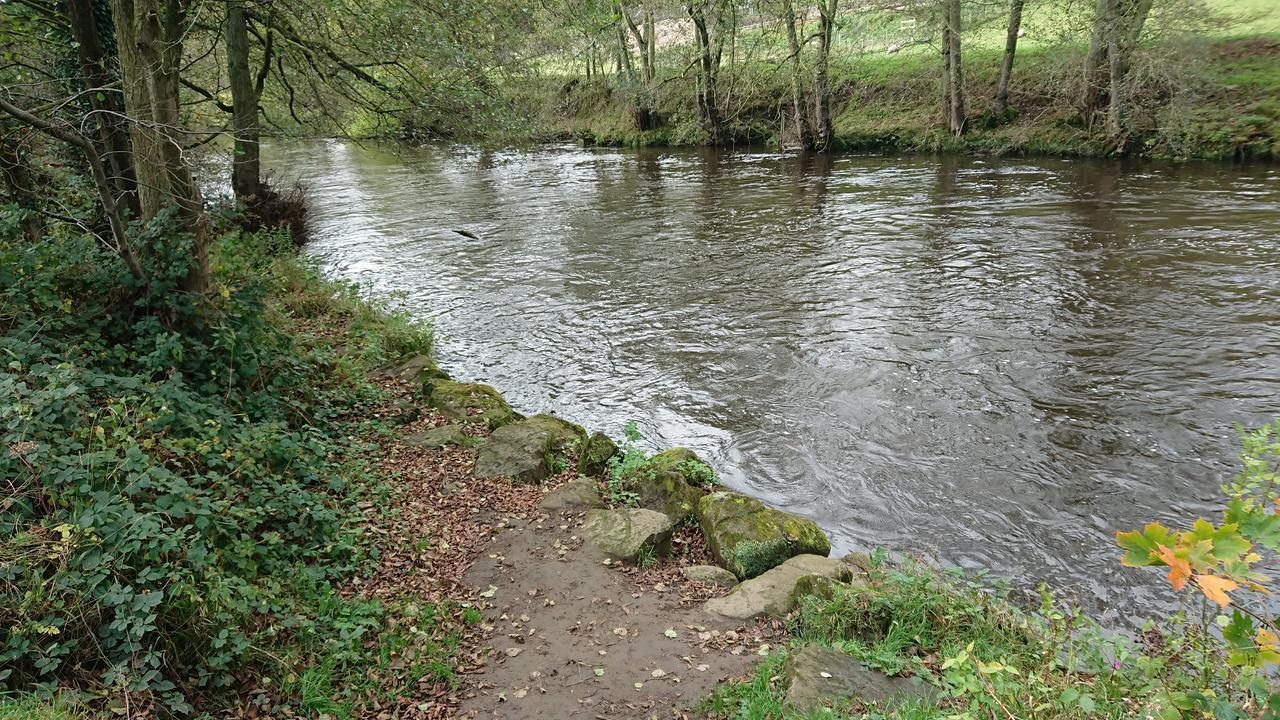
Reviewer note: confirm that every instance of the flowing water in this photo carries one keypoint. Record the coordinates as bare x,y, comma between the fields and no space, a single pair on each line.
993,363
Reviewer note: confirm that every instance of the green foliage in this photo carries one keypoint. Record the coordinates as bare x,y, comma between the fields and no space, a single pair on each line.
34,707
991,658
699,474
178,466
623,467
1218,560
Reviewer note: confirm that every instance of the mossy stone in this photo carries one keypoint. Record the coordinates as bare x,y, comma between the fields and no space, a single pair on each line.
469,402
665,490
565,436
526,450
628,534
595,458
695,471
416,368
442,437
748,537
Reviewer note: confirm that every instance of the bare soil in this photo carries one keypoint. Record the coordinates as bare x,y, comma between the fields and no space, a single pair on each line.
565,633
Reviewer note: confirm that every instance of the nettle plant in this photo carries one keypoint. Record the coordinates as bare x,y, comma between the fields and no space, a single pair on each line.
1218,562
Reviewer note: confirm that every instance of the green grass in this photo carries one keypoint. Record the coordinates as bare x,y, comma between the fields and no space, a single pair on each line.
1209,82
32,707
992,658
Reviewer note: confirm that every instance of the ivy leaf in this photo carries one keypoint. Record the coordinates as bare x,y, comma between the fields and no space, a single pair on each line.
1216,588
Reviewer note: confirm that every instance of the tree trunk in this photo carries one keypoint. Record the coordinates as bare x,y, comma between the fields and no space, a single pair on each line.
946,75
708,69
642,41
651,46
246,165
1096,66
150,35
953,71
821,83
624,52
1117,28
1129,17
1010,47
799,112
108,110
19,185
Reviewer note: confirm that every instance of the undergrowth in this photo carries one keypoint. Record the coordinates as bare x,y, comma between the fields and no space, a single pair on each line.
989,658
180,477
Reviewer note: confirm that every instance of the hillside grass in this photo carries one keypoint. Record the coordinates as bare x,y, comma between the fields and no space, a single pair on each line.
1213,93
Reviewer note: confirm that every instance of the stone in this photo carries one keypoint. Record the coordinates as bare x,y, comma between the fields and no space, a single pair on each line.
814,676
774,592
695,471
664,489
859,561
415,369
709,574
441,437
748,537
628,534
469,402
406,411
576,494
595,458
526,450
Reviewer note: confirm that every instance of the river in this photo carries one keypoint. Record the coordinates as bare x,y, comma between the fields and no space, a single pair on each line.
993,363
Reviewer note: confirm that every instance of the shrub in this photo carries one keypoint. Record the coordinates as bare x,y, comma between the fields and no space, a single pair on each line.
175,466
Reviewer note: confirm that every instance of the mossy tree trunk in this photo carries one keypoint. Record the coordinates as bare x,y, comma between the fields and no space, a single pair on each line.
246,92
95,50
799,113
150,36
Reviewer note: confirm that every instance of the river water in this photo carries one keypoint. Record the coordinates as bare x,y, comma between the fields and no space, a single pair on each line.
992,363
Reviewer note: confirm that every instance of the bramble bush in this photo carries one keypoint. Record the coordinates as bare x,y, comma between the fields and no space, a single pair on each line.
173,467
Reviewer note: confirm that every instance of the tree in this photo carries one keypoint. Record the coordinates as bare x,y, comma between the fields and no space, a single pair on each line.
1006,67
644,37
952,70
822,133
150,38
99,73
799,113
1117,27
709,40
246,95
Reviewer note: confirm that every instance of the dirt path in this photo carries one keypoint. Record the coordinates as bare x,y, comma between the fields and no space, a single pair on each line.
573,637
564,634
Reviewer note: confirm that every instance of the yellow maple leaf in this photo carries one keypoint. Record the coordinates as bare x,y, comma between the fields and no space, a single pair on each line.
1216,588
1267,640
1179,568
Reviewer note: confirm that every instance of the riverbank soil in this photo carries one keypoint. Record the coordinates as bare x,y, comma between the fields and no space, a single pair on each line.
563,632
